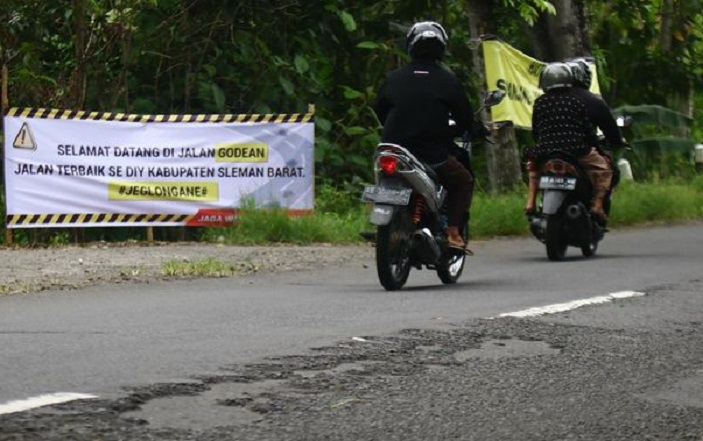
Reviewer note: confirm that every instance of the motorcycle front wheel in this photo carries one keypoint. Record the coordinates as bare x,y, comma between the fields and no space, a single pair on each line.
555,239
392,250
452,265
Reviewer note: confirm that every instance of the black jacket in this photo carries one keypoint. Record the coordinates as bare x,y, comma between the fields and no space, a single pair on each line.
415,103
566,120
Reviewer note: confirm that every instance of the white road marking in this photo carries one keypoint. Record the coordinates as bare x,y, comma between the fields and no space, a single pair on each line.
41,400
561,307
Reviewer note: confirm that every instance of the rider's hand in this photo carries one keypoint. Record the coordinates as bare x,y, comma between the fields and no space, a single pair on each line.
483,131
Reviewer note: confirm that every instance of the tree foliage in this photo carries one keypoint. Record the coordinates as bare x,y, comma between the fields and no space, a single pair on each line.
649,49
278,56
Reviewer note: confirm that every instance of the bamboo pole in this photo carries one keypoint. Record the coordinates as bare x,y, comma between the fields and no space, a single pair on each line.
4,105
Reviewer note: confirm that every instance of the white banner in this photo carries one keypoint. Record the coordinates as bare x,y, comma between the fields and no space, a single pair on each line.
120,170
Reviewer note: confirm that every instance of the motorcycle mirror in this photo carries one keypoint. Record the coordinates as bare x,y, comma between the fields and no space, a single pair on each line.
624,121
493,97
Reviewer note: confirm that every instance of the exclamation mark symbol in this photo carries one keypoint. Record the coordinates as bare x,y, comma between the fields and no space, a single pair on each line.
24,139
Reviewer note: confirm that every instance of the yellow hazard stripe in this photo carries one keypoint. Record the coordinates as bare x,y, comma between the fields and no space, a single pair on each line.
199,118
93,218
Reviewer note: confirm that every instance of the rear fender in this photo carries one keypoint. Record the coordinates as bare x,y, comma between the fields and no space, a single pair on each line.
552,200
382,214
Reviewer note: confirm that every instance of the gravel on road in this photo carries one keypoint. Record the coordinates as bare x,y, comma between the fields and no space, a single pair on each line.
73,267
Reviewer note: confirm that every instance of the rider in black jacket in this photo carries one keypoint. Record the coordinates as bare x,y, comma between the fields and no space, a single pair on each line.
565,118
415,104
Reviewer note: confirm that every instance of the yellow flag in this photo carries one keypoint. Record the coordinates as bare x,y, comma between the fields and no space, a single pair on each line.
517,75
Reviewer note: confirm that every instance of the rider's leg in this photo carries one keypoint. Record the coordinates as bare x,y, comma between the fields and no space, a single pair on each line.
460,185
613,183
532,186
601,175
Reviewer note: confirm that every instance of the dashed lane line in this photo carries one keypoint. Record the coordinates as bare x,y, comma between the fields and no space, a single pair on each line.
568,306
41,400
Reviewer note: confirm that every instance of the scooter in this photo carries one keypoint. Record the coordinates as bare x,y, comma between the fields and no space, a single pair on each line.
409,211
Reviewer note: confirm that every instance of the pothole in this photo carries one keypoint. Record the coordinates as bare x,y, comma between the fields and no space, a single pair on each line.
494,349
222,405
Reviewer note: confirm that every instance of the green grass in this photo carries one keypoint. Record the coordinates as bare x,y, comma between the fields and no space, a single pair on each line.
632,204
498,215
274,226
209,267
340,216
669,200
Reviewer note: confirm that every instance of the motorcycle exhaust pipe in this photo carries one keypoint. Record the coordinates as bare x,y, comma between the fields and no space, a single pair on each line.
573,212
578,215
426,246
537,227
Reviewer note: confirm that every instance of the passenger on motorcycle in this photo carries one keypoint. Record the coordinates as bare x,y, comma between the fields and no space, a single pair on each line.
583,78
565,118
415,103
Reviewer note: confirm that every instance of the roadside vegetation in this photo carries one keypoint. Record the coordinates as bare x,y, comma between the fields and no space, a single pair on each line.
341,218
208,267
202,57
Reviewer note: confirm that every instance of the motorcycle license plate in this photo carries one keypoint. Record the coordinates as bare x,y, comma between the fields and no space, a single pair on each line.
557,183
387,195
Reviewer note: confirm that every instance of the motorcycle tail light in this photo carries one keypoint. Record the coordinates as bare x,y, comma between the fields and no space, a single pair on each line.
559,168
389,164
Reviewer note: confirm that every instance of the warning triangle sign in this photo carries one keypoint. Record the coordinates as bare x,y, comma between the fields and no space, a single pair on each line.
24,139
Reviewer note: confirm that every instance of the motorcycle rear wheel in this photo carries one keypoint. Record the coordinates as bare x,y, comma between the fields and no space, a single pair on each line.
392,246
555,239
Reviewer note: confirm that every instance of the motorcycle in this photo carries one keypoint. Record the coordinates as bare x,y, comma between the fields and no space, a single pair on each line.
409,212
564,218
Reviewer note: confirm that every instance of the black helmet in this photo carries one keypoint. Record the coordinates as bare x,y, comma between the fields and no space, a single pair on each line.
427,40
581,71
555,75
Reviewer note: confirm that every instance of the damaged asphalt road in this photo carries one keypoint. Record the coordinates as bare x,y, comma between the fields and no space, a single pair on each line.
628,370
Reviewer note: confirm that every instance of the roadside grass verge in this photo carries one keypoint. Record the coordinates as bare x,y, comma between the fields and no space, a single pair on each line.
498,215
208,267
658,201
275,226
340,217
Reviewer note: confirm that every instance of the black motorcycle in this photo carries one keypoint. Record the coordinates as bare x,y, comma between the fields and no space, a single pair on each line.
564,218
409,210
